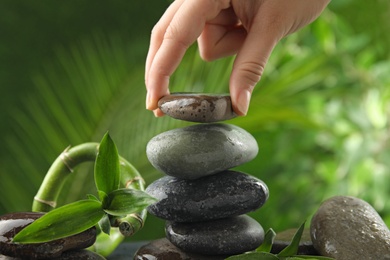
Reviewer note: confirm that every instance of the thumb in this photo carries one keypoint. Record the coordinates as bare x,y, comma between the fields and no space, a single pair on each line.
248,68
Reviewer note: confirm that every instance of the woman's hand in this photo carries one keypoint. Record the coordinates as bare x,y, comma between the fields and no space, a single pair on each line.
248,28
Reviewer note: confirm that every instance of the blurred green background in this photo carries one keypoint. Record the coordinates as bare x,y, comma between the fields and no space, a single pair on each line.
71,70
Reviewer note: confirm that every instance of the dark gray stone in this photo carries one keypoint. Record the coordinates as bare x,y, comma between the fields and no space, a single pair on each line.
200,150
226,236
221,195
284,238
349,228
11,224
68,255
162,249
197,107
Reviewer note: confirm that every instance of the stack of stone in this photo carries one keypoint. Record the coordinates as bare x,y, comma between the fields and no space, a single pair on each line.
203,201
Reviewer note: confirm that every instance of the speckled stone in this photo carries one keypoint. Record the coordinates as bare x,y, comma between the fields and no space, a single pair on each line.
226,236
11,224
221,195
284,238
162,249
200,150
349,228
197,107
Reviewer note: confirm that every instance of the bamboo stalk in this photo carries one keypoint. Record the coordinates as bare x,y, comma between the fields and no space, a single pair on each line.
47,195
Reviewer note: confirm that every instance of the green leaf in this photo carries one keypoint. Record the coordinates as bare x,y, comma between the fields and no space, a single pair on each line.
92,197
104,224
269,237
254,256
292,249
107,171
103,198
62,222
313,257
127,201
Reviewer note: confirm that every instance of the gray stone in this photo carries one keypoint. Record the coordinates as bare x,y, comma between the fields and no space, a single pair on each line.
162,249
221,195
226,236
197,107
11,224
349,228
200,150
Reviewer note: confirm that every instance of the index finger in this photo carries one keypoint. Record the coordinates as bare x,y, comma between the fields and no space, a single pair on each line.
180,32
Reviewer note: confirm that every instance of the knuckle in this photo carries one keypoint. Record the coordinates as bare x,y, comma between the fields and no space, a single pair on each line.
157,32
174,34
251,72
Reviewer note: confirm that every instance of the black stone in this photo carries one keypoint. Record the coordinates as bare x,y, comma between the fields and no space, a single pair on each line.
162,249
11,224
224,194
283,239
226,236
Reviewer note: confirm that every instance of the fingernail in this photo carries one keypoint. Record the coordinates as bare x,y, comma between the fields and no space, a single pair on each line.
155,112
148,101
243,102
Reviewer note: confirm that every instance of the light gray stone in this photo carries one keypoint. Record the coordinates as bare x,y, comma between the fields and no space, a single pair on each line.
221,195
349,228
200,150
226,236
197,107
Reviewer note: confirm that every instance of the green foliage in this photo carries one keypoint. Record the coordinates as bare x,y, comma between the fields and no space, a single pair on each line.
107,173
65,221
78,216
126,201
269,238
288,253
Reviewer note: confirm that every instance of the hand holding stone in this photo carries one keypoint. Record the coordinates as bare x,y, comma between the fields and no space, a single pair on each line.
249,28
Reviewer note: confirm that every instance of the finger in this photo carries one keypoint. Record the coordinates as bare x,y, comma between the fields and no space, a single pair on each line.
158,32
222,36
184,28
249,64
217,42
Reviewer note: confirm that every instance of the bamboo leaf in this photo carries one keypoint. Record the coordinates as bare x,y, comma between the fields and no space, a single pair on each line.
107,172
62,222
92,197
292,249
269,237
104,224
127,201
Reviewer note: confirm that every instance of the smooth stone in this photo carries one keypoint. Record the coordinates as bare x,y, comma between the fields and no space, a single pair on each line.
200,150
221,195
349,228
226,236
284,238
163,249
197,107
11,224
68,255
